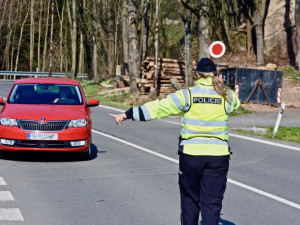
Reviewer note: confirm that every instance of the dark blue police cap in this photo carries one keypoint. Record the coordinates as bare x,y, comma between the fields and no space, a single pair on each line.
206,65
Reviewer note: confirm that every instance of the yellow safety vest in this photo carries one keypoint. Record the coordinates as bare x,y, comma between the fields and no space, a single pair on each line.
205,121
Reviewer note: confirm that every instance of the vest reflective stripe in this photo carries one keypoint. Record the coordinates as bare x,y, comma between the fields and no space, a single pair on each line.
204,146
178,103
211,133
204,123
146,113
207,141
136,114
203,91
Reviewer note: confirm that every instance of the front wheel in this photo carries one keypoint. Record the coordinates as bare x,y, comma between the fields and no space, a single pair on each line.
88,154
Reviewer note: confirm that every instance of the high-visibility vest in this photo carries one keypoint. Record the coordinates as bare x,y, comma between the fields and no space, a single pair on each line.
205,121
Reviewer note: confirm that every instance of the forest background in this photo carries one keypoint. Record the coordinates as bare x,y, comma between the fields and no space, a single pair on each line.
93,36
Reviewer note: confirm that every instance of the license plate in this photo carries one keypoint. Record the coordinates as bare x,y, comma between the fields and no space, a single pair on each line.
40,136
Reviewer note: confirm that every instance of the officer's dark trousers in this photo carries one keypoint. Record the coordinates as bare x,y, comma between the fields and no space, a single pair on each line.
202,182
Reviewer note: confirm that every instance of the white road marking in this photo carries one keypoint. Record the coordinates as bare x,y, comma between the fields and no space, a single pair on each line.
6,196
111,108
253,139
11,214
233,135
266,142
274,197
8,214
2,182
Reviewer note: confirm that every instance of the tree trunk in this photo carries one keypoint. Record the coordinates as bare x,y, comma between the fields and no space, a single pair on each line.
297,22
3,15
258,15
61,21
8,43
203,31
39,37
249,39
110,29
74,39
226,23
46,37
145,30
31,35
259,38
133,46
125,37
95,71
20,41
81,53
189,79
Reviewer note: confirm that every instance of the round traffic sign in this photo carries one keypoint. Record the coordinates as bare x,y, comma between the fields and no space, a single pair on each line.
217,49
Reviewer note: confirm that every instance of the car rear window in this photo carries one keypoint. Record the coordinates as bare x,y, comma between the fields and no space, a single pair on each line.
56,94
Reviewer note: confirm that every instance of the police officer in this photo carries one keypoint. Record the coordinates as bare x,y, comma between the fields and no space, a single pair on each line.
203,148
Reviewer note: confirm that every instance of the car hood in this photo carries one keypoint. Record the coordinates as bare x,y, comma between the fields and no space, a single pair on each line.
49,112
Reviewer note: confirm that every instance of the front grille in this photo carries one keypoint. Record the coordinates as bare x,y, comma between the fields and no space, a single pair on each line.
50,126
42,144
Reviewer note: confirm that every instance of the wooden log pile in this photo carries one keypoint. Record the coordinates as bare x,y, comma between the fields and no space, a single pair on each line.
167,69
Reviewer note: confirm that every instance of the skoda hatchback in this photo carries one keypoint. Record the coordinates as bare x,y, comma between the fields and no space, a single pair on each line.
46,114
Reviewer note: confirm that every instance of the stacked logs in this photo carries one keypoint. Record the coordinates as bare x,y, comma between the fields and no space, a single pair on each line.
167,69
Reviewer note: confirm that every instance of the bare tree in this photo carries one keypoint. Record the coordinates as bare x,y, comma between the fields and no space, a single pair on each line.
258,15
20,40
8,39
73,31
201,11
39,35
31,34
46,37
96,76
3,15
125,37
133,46
110,29
145,29
297,21
61,21
187,20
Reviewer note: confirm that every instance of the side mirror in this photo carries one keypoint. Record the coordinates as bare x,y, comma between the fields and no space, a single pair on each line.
2,101
92,103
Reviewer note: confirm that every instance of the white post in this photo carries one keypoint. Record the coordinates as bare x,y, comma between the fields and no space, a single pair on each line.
278,119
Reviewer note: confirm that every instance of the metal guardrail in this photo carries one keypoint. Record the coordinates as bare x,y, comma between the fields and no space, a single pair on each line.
5,74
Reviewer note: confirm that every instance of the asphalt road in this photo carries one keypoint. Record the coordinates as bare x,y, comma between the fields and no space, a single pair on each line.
125,185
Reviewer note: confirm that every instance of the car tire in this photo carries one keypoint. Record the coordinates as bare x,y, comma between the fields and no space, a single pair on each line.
88,154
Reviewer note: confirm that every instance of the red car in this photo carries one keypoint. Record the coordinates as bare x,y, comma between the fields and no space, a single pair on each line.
46,114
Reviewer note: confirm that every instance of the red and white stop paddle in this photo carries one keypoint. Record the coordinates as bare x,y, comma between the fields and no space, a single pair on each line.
216,50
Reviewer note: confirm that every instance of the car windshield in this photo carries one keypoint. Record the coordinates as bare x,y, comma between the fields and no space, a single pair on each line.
56,94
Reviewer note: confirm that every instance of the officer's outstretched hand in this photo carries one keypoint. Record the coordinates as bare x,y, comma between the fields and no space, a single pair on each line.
120,118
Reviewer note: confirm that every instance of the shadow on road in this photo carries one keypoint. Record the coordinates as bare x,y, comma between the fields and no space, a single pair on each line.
32,156
222,222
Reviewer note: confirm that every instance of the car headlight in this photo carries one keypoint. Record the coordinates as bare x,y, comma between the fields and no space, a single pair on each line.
77,123
9,122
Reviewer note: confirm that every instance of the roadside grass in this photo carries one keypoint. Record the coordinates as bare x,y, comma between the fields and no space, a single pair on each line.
119,99
241,111
290,73
291,134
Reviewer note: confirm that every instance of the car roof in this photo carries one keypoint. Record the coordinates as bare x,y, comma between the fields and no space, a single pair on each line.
47,80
